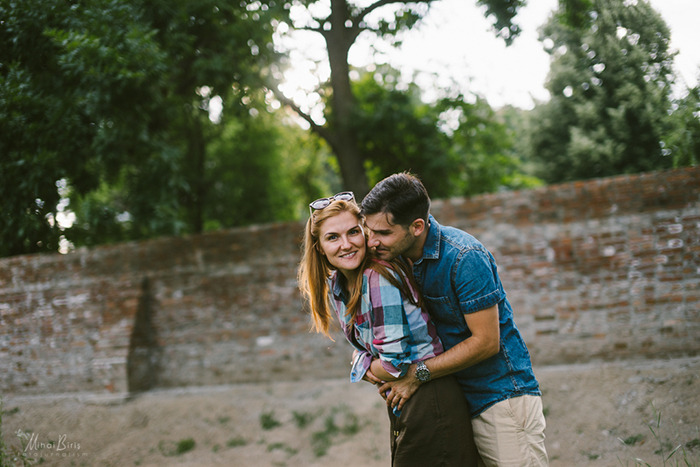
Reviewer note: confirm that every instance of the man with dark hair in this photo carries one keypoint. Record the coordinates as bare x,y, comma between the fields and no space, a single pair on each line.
467,302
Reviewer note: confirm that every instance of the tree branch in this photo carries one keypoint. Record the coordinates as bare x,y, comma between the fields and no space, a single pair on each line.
381,3
318,129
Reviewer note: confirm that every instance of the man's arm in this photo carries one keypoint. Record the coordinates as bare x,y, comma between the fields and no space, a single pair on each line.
482,344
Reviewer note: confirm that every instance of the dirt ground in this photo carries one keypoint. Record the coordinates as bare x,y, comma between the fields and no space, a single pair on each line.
598,414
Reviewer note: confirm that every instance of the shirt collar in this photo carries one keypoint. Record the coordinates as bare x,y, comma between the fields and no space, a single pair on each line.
431,247
336,280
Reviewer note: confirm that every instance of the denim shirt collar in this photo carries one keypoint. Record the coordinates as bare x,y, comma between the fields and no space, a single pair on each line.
431,248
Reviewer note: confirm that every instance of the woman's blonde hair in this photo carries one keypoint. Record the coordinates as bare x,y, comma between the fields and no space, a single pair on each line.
314,269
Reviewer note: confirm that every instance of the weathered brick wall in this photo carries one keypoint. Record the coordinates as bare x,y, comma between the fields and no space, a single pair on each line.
603,269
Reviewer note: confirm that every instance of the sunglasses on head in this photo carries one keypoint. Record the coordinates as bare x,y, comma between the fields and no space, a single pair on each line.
324,202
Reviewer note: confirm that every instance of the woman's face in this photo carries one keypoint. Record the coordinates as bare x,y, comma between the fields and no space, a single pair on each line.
342,241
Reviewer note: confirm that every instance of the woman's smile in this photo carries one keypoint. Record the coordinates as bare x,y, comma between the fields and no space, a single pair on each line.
342,241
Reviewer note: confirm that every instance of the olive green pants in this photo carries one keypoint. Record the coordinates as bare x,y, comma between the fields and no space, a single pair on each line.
434,428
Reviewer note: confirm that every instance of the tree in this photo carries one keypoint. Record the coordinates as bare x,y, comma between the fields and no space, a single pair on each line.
682,144
56,120
340,25
459,147
610,82
108,101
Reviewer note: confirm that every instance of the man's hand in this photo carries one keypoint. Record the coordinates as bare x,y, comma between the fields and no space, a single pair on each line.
398,392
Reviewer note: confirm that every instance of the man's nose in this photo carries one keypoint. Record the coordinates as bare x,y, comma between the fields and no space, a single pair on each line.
372,241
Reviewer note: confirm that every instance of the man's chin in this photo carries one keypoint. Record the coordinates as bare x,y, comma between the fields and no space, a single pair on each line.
384,254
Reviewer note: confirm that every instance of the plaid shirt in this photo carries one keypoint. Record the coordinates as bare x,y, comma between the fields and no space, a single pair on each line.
387,326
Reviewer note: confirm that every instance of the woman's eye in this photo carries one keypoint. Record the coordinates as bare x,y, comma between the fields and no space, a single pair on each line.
355,231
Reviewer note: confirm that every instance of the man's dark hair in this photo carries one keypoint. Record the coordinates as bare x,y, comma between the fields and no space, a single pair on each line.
402,195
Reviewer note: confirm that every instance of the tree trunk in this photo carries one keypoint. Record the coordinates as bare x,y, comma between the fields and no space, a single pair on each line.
342,136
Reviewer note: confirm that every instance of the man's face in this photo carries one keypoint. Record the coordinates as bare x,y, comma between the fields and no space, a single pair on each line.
389,240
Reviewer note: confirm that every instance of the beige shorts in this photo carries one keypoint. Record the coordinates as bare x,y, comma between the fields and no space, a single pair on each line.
511,433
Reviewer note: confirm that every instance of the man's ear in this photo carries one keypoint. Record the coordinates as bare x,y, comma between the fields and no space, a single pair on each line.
417,227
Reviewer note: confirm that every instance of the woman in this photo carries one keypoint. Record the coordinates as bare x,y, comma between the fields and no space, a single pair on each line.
378,309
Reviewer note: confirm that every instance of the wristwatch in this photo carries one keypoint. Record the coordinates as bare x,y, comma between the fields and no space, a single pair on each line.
422,372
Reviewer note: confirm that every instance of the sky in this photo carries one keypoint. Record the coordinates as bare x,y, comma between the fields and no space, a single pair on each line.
455,41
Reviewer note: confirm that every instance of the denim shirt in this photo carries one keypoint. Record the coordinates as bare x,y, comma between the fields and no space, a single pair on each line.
458,276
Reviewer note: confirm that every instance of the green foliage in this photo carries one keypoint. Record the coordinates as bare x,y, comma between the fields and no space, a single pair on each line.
282,447
303,419
396,131
268,420
457,147
682,144
632,440
610,82
670,452
340,25
170,448
111,99
236,442
503,12
341,421
72,84
13,455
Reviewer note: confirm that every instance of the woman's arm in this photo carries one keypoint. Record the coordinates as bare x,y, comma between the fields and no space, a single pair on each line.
378,371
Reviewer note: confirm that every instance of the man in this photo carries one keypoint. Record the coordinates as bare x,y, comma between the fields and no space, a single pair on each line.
463,292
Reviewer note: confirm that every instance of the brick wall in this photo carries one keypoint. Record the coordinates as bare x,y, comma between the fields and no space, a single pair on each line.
603,269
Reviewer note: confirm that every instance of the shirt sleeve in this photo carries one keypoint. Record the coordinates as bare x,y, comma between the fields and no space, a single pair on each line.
391,331
475,281
361,362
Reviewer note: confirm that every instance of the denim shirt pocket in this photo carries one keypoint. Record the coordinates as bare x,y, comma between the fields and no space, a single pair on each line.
444,310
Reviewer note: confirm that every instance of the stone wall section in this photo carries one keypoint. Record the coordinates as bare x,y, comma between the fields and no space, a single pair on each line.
596,270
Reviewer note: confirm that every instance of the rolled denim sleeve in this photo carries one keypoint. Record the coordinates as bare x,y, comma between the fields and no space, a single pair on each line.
475,281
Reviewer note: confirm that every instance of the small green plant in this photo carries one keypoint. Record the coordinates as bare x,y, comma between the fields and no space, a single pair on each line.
670,453
170,449
224,420
268,420
12,455
323,439
185,445
236,442
283,447
303,419
632,440
693,444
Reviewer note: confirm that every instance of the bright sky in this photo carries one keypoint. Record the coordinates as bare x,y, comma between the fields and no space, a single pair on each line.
454,40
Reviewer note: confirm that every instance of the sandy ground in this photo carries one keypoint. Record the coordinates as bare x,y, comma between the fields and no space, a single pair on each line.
602,414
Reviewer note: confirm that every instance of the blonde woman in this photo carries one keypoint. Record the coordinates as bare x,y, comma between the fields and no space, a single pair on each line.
378,308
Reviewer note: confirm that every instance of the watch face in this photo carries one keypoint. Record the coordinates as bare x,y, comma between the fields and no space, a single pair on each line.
422,373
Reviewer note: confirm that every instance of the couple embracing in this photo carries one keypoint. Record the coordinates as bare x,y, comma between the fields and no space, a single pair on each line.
425,310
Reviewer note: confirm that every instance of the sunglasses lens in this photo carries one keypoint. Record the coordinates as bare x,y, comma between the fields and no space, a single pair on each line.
320,203
344,196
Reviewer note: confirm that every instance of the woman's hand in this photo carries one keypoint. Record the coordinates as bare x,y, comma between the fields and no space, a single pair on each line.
371,378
